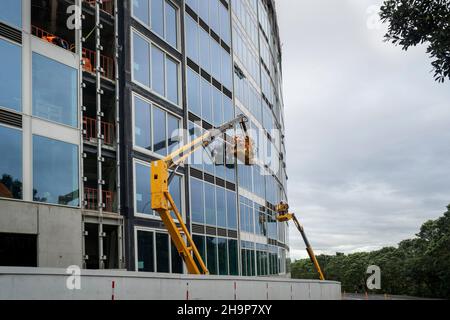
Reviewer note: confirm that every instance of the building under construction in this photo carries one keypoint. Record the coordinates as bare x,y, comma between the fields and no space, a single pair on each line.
92,91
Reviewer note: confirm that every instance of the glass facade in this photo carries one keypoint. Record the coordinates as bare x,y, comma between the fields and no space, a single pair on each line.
233,67
39,110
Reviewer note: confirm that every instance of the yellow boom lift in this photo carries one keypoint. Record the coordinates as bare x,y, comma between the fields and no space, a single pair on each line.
284,216
162,201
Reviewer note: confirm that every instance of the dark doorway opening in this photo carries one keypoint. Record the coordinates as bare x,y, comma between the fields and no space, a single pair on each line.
110,247
18,250
91,246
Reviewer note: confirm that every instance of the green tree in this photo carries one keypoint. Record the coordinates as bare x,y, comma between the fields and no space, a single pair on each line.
413,22
417,267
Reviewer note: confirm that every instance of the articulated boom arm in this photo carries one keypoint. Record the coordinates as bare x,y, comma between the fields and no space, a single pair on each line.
285,216
178,157
163,203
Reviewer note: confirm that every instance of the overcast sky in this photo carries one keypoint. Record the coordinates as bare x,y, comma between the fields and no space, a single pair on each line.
368,129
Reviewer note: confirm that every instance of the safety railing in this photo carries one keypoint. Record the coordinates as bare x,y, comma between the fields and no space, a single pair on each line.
91,199
106,5
89,56
90,130
106,63
49,37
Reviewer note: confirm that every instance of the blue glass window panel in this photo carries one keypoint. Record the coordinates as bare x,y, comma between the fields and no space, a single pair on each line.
208,165
221,208
11,163
193,4
193,92
11,12
171,24
55,91
10,75
226,69
216,51
158,79
141,10
159,132
141,60
210,204
205,50
203,8
207,113
217,107
214,15
143,124
157,11
231,210
224,24
197,204
196,159
174,133
143,190
172,81
228,109
231,172
55,172
192,39
175,192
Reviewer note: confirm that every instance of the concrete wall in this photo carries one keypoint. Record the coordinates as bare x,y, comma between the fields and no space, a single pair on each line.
58,230
36,283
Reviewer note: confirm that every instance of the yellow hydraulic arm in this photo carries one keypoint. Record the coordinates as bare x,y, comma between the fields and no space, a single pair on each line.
284,216
163,203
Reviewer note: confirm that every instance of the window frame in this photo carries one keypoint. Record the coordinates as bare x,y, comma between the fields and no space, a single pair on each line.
154,231
79,180
149,26
152,105
179,103
156,217
20,45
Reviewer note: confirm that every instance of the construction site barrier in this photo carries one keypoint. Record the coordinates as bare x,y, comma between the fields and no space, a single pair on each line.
45,284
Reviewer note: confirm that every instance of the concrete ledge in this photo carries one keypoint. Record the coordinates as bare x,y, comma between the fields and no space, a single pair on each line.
50,284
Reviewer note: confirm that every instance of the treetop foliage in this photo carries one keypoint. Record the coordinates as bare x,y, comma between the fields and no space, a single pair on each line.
418,267
413,22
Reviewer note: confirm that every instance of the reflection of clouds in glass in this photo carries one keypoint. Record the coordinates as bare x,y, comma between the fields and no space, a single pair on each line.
55,172
11,76
54,91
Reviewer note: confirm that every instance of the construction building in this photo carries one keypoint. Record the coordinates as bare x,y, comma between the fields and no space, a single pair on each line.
92,91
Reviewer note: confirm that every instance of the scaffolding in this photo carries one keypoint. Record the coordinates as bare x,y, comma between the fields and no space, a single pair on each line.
98,201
